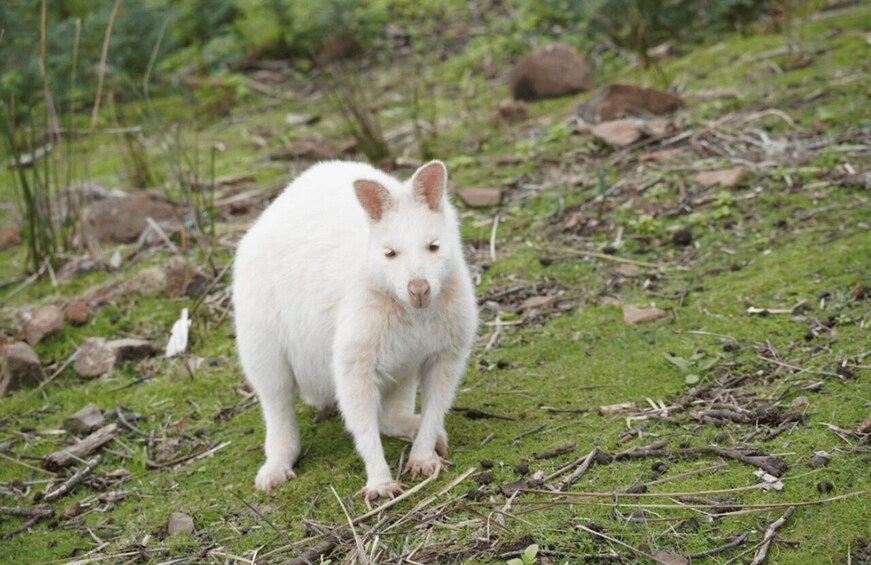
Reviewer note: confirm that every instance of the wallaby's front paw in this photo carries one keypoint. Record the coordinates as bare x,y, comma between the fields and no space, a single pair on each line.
272,475
424,466
386,490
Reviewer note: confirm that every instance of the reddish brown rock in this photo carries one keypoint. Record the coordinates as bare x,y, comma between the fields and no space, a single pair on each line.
122,220
9,236
725,178
509,112
556,70
21,369
620,100
480,197
40,322
77,312
184,280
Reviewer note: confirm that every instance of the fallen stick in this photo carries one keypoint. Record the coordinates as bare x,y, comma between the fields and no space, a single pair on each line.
75,453
738,541
68,485
33,514
762,551
768,463
556,451
582,468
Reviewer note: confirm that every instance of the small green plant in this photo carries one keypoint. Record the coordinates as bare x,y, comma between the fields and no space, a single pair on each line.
694,367
527,557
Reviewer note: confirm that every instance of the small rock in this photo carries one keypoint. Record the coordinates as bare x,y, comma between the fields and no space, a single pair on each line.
294,119
9,236
682,237
72,510
521,468
184,280
637,315
97,356
726,178
603,458
487,464
21,369
637,489
41,322
85,420
77,312
819,460
179,523
484,477
619,100
799,402
556,70
825,487
663,557
475,494
619,133
480,197
659,467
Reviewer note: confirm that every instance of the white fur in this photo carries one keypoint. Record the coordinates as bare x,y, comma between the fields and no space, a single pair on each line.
320,309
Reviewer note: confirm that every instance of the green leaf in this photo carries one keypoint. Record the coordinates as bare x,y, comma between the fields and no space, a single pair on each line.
515,561
691,379
530,553
679,362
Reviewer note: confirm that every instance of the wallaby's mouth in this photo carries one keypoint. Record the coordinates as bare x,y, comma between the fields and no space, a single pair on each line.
419,293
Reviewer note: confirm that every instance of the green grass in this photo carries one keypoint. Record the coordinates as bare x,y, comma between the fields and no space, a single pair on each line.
579,359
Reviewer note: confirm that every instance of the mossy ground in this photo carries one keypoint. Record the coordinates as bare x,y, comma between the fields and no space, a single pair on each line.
578,359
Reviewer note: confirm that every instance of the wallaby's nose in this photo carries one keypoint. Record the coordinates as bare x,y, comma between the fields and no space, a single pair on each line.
418,292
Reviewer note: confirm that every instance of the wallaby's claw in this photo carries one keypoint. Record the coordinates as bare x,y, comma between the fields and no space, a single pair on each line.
385,490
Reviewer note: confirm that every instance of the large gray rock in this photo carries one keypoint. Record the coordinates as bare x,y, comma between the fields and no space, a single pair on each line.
21,369
556,70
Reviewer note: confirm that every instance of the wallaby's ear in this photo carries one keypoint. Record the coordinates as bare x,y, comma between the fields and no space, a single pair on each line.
373,197
430,182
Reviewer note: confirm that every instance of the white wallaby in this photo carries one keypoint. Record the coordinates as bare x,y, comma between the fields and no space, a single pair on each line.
351,288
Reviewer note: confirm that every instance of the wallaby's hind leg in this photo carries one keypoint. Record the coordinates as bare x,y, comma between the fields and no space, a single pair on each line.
398,418
272,379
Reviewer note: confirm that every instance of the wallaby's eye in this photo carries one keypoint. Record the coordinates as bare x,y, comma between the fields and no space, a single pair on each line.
434,246
389,253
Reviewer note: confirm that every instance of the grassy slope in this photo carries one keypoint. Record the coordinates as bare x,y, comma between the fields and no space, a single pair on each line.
588,347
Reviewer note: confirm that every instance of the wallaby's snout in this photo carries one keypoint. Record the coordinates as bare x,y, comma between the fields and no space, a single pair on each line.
419,293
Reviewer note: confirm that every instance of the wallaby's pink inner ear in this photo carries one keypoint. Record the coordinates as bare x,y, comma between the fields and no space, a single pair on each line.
430,182
373,197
